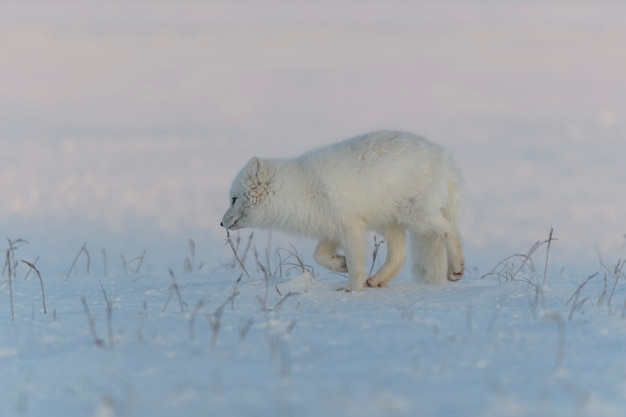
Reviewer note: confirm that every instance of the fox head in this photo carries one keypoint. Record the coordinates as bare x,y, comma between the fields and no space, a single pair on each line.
248,194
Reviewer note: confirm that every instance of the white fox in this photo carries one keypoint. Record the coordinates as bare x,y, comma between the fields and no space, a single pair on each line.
382,181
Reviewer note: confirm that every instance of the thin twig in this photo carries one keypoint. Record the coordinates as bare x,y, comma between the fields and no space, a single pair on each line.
104,256
282,300
617,272
83,249
189,262
579,289
232,246
43,292
545,269
92,324
177,290
192,319
375,254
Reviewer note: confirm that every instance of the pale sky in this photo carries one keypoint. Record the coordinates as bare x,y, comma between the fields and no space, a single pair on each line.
113,112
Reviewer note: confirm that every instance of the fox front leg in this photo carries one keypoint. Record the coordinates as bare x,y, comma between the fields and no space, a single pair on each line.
354,246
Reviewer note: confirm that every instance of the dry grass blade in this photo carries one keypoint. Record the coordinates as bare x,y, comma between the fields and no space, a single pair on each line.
142,319
43,292
504,268
375,254
508,270
293,254
577,306
244,329
177,291
109,315
139,259
615,276
232,246
283,299
265,270
579,289
92,323
84,250
188,265
545,268
104,258
526,258
192,319
10,265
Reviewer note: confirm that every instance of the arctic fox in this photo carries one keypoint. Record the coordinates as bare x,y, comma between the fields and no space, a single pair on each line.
385,181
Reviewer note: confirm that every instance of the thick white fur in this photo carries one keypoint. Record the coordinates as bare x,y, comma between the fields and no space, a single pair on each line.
386,181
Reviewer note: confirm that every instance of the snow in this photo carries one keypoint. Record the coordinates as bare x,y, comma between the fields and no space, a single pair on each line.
122,125
290,344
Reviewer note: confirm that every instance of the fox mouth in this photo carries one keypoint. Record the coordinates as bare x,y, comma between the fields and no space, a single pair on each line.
233,226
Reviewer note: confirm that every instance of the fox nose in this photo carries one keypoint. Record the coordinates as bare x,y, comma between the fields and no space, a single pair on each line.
222,224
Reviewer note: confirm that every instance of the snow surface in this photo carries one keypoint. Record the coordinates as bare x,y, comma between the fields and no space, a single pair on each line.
122,125
291,345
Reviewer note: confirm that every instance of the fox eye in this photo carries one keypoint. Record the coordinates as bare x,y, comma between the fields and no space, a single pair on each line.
233,201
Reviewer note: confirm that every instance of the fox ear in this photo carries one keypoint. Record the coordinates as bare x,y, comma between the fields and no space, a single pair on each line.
257,169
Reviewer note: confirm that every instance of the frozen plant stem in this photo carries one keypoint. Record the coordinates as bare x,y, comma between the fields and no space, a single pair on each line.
92,324
84,250
10,264
577,306
43,292
189,262
214,321
375,254
142,320
617,272
109,316
139,259
545,268
538,297
177,291
104,257
232,247
192,319
282,300
243,330
126,264
576,294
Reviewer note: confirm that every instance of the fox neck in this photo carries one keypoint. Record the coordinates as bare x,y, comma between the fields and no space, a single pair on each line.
294,202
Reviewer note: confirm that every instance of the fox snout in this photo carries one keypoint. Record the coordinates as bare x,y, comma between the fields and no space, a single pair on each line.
231,227
230,221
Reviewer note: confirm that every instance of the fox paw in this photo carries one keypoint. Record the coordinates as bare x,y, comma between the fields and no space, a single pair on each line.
339,264
374,282
352,287
455,274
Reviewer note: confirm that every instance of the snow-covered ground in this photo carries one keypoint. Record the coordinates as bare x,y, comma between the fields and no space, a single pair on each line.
122,125
216,342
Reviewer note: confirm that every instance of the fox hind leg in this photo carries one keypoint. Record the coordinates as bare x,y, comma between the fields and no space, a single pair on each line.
430,259
326,255
456,262
437,249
